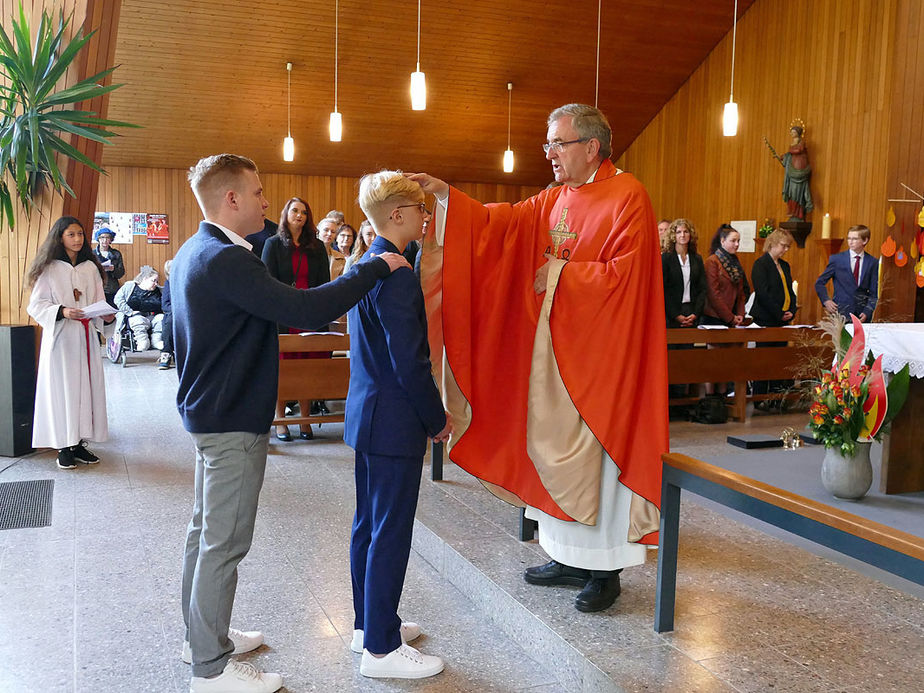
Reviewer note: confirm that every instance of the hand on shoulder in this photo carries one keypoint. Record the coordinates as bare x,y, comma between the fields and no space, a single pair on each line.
394,261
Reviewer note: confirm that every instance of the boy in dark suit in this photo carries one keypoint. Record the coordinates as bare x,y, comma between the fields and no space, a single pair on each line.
392,408
856,278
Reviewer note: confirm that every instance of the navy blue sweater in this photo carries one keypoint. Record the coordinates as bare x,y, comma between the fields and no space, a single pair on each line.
225,310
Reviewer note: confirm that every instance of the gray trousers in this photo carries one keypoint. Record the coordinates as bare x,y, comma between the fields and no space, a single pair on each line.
229,476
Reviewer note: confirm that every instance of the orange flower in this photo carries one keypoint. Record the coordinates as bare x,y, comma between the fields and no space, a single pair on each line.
818,419
838,420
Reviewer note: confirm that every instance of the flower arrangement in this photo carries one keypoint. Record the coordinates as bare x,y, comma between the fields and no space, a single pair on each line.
852,402
766,228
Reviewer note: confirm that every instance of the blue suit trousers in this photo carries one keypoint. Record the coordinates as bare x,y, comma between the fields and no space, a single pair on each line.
386,501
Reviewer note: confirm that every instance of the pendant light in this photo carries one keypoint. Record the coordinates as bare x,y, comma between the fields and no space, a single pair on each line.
730,117
418,80
336,122
508,154
288,144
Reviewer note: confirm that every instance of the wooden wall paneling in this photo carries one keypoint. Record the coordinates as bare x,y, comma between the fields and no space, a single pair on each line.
815,61
905,158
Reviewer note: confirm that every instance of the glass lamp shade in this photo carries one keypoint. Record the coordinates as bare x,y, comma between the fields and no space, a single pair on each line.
336,127
288,149
730,119
418,91
508,161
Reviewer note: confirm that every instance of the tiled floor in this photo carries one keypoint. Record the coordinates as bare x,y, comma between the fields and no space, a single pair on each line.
91,603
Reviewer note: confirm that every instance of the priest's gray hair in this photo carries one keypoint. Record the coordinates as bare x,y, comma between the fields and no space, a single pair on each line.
380,192
589,123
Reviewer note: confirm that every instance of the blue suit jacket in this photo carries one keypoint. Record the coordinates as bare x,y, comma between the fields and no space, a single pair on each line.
849,296
393,405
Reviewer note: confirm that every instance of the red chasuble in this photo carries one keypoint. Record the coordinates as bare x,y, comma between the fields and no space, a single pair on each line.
607,327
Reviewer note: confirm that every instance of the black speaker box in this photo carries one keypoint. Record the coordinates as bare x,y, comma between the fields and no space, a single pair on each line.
17,389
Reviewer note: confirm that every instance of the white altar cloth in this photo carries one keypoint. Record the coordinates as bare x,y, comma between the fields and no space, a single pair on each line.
898,343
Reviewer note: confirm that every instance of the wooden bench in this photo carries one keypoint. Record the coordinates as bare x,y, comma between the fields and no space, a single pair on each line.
879,545
739,363
314,378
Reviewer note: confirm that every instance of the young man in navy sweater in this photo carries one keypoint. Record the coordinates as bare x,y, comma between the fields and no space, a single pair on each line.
226,307
392,407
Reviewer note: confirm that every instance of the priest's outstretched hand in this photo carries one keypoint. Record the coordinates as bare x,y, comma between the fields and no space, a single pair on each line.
430,184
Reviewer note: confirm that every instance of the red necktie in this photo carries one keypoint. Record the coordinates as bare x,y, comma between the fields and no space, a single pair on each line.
856,269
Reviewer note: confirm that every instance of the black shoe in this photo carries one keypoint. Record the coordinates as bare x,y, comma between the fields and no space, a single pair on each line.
284,437
83,455
322,408
66,459
599,593
315,409
555,573
306,435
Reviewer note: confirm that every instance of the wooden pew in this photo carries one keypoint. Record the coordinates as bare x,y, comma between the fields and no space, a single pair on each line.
738,363
316,378
886,548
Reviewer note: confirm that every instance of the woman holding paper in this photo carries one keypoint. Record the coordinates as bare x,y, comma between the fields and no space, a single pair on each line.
70,396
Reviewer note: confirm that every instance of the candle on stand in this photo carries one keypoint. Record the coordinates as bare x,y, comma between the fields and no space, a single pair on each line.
826,226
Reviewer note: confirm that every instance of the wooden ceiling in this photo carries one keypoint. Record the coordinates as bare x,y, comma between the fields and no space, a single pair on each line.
206,76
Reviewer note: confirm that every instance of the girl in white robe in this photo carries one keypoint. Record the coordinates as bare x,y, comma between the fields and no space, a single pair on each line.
70,397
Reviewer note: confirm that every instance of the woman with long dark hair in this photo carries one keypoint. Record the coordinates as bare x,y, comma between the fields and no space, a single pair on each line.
296,257
70,395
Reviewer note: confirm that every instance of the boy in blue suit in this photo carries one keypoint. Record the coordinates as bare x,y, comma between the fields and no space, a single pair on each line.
856,278
393,406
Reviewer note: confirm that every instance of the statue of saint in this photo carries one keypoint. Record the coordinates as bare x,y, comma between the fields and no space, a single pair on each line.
798,173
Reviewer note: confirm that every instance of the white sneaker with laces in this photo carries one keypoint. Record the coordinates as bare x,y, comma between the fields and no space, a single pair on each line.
238,677
410,631
243,642
403,663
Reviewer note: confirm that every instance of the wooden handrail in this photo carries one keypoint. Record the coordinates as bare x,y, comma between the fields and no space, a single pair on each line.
876,532
743,335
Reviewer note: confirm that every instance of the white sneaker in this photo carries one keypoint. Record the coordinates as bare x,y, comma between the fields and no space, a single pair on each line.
403,663
243,642
410,631
238,677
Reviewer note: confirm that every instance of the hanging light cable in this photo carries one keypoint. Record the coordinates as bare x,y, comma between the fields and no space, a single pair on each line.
730,117
418,79
597,82
288,144
508,154
336,121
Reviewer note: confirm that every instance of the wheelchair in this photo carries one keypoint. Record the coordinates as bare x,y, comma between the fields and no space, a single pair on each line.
121,342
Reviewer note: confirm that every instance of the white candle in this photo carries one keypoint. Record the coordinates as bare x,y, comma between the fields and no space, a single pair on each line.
826,226
795,287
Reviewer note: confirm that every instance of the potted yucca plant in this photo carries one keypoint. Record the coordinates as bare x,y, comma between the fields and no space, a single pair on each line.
37,113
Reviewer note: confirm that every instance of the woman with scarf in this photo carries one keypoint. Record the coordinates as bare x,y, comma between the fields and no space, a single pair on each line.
727,287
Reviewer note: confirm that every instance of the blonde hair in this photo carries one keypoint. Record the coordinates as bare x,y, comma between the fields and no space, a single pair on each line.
379,191
670,238
862,230
776,237
215,175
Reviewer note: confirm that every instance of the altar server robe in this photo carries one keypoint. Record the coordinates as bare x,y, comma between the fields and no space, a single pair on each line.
70,396
540,386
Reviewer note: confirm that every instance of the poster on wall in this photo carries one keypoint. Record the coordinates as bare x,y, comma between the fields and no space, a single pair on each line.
119,224
748,232
140,224
158,228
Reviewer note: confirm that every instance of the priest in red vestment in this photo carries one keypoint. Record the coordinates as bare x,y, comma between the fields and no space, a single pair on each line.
549,314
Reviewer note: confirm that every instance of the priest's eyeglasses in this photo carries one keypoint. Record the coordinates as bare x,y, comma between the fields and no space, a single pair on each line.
420,205
559,147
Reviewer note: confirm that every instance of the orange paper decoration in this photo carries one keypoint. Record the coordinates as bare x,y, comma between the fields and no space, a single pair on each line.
888,246
900,258
920,280
890,217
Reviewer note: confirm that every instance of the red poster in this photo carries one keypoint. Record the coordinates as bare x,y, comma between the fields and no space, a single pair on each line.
158,228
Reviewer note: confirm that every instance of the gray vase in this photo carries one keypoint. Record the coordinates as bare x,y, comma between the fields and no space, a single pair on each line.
847,478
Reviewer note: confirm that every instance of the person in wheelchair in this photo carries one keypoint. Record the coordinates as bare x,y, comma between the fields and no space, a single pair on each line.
139,303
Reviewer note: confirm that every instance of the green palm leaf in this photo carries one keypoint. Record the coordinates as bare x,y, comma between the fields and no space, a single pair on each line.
37,117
